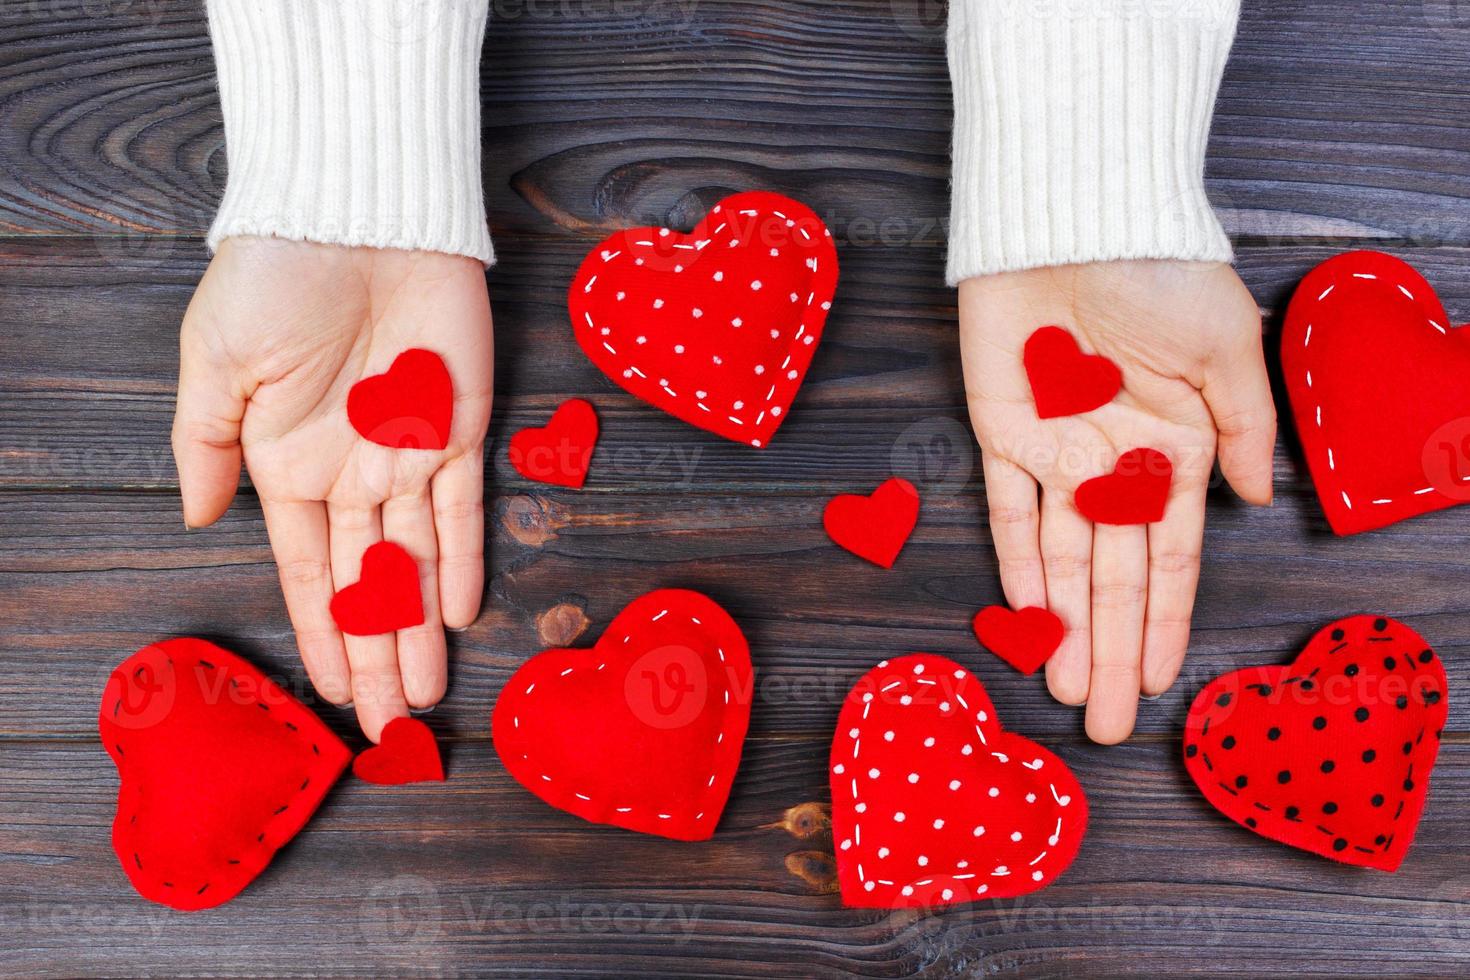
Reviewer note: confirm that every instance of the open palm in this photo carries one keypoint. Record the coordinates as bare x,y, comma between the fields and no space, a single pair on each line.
276,335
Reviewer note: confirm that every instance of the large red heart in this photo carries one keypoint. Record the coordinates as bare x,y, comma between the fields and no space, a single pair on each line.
406,753
410,406
1065,381
934,803
876,526
1025,639
1380,384
644,729
219,769
560,451
1332,752
716,327
386,597
1136,492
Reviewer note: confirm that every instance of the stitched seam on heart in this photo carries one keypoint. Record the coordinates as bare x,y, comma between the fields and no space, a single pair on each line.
785,372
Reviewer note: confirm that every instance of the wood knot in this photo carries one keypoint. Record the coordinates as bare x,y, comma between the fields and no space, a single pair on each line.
816,868
804,820
561,624
529,520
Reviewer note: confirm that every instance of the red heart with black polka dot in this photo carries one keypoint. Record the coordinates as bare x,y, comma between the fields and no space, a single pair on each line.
716,327
1331,753
934,803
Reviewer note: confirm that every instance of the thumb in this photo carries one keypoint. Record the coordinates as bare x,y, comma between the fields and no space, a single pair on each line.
206,434
1238,394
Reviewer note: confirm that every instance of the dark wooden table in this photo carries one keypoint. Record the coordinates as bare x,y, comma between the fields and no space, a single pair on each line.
1340,125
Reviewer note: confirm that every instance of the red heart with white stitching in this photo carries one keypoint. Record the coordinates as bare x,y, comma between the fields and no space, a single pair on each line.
716,327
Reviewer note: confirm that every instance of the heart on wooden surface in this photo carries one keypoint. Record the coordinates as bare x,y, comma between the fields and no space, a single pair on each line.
410,406
560,451
934,803
1025,638
643,730
1331,753
875,526
407,752
1380,385
385,598
716,327
219,768
1064,380
1136,492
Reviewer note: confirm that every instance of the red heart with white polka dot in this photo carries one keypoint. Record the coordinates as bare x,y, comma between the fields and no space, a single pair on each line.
716,327
933,803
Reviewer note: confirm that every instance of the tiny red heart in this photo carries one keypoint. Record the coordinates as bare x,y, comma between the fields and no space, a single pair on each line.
1331,753
1064,380
643,730
1136,492
386,596
876,526
220,768
409,406
560,451
1025,639
934,803
406,753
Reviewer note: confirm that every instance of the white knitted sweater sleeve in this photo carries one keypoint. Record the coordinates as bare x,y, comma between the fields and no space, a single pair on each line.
1080,130
352,122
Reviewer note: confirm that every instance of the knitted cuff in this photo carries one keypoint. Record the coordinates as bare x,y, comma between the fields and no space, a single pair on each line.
1080,131
352,122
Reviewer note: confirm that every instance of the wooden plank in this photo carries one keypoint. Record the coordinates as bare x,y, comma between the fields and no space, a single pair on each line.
1344,120
477,876
87,578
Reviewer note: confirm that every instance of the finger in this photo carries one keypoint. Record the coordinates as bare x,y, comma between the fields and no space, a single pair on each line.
1066,551
1173,575
206,434
1119,590
458,493
1238,393
298,533
1010,493
377,690
423,660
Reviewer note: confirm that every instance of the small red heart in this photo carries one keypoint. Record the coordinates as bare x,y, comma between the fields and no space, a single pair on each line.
643,730
406,753
386,596
1025,639
1065,381
934,803
877,526
716,327
410,406
1331,753
1136,492
1377,380
561,451
219,767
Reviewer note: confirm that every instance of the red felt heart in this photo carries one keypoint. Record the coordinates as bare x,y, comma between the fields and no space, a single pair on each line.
385,597
1025,639
410,406
934,803
406,753
877,526
1378,381
716,327
1332,752
643,730
1136,492
560,451
219,769
1065,381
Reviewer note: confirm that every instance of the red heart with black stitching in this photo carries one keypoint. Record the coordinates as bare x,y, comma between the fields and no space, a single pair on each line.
1025,639
560,451
1136,492
1380,384
1065,381
934,803
716,327
385,598
643,730
219,769
409,406
406,753
1331,753
875,526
